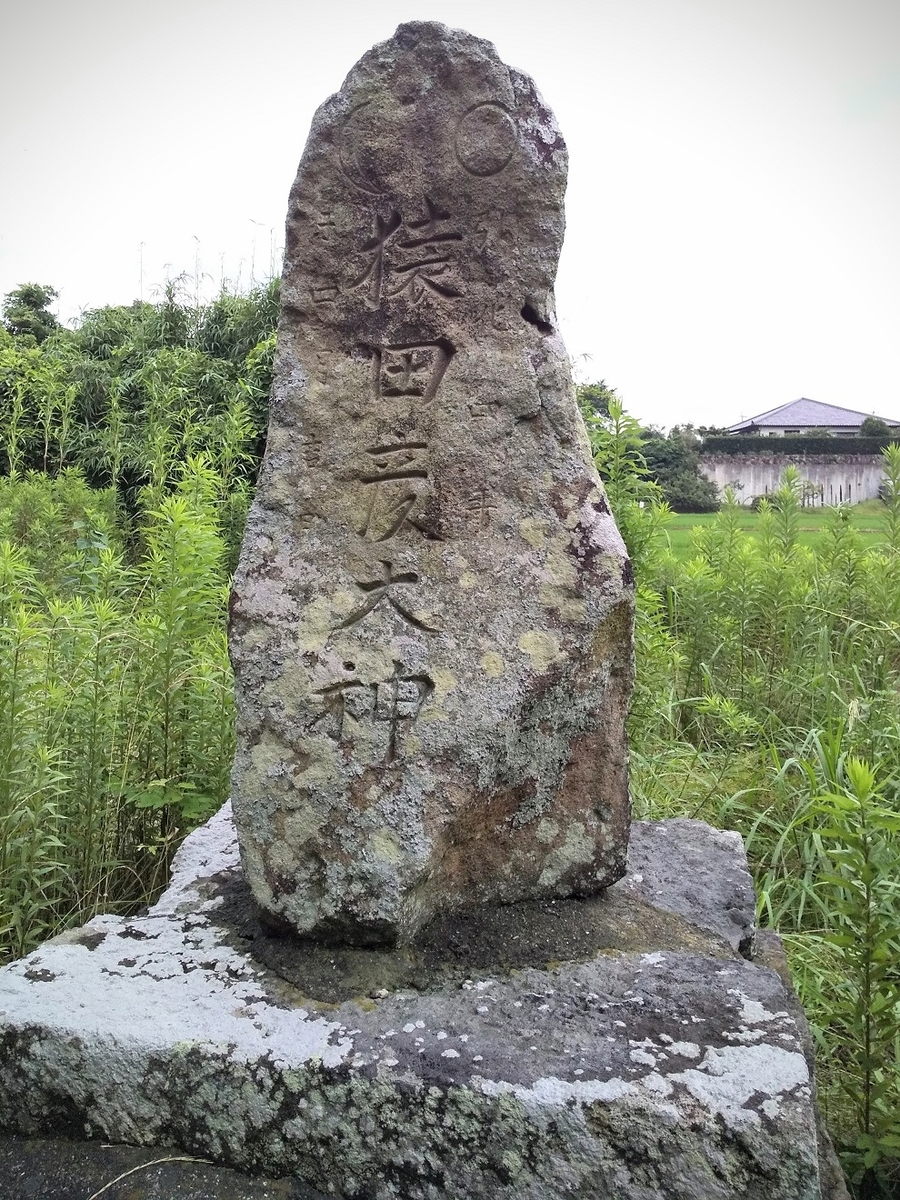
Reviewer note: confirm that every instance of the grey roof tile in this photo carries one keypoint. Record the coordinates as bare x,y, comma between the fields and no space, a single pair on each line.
806,414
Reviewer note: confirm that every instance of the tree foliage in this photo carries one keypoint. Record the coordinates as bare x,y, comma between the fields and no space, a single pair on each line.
26,312
134,392
674,462
670,463
594,398
875,427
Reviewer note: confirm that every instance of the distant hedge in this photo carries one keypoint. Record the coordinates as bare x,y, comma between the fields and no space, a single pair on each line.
795,445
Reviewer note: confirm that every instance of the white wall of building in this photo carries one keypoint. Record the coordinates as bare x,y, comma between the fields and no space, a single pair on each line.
848,479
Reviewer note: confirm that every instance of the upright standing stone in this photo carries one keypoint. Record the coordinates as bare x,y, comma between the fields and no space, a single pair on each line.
431,623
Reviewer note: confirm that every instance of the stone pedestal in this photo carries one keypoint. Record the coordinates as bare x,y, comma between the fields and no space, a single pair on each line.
619,1046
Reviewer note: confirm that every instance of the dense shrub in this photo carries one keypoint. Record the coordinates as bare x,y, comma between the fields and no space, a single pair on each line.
674,463
115,700
134,392
794,446
129,448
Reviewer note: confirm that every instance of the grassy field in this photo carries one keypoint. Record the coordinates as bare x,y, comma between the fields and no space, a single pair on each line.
867,519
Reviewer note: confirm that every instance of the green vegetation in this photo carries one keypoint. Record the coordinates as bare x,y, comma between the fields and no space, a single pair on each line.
26,312
768,650
674,462
875,427
115,698
868,521
796,444
129,449
671,462
134,393
767,701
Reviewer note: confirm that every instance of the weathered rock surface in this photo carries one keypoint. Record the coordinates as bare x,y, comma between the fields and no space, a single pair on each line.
673,1070
431,621
722,901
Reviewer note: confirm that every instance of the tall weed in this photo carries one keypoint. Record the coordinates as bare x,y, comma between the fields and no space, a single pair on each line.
116,710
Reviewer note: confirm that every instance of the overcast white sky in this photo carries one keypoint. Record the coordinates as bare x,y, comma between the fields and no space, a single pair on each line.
734,191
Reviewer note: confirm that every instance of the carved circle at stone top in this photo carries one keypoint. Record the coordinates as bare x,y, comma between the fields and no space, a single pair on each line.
485,139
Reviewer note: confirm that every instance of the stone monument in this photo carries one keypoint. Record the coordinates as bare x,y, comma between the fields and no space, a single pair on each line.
431,619
494,992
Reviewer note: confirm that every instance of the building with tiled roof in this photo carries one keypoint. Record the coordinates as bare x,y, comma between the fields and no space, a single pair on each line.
803,416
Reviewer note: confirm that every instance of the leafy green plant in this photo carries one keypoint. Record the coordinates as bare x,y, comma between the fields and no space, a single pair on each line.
26,311
636,501
862,844
890,491
116,710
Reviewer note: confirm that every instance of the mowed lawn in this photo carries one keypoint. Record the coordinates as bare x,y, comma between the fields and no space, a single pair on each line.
867,519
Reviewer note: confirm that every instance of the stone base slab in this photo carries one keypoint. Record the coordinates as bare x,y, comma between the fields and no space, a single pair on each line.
671,1068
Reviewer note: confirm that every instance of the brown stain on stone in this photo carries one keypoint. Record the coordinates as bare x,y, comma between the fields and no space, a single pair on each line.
367,789
611,644
482,843
472,847
595,790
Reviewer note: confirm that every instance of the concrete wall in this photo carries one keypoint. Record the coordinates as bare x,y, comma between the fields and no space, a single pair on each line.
833,478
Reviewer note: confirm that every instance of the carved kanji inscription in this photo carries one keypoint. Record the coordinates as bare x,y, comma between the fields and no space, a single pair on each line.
479,507
412,369
397,701
412,257
396,478
387,587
